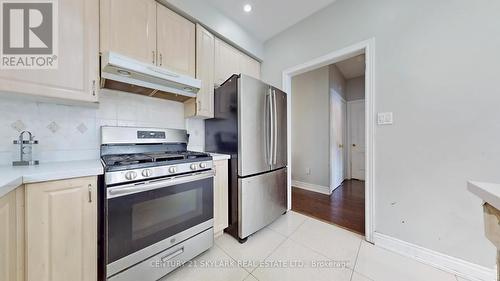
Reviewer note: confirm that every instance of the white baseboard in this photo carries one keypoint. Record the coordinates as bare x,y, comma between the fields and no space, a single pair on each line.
311,187
444,262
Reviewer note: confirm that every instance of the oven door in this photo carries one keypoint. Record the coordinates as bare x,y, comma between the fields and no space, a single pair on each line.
144,219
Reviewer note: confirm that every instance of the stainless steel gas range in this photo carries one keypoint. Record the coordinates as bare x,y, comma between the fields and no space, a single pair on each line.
157,205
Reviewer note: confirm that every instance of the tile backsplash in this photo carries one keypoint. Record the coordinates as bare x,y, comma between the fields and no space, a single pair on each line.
67,132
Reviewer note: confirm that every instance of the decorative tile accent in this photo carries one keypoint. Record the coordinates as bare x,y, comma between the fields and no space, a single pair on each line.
53,127
82,128
18,126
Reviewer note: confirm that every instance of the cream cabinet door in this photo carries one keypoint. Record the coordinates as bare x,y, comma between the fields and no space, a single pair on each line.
61,230
176,42
128,27
12,236
203,105
77,75
249,66
227,61
221,196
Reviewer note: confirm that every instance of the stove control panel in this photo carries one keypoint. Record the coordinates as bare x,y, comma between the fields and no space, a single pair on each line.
156,172
150,135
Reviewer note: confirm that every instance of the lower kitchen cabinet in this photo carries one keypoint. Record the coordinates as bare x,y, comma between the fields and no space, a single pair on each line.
221,196
61,230
12,235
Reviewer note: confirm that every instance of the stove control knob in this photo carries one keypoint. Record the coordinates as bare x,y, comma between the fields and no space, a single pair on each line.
193,167
131,175
203,165
172,169
147,173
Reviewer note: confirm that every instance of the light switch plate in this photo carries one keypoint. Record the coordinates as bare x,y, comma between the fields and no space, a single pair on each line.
384,118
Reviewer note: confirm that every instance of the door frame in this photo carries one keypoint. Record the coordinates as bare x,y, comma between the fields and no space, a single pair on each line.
368,48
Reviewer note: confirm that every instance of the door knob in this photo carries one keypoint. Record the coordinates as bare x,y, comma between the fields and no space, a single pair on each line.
353,145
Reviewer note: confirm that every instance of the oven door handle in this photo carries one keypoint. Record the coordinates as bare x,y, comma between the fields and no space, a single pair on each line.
124,190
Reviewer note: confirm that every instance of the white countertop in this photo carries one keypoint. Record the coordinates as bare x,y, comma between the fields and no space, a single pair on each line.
217,156
12,177
489,192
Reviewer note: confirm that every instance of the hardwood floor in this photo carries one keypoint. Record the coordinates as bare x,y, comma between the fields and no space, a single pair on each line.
344,207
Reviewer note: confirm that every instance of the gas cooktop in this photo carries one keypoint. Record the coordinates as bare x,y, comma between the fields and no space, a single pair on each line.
118,162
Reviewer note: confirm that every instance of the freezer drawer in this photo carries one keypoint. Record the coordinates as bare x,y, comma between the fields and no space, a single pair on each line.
162,263
262,199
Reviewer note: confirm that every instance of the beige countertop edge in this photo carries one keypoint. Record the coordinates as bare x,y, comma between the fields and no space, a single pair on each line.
488,192
13,177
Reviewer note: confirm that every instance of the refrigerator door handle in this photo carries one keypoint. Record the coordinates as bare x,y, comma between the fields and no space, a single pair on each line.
270,140
275,128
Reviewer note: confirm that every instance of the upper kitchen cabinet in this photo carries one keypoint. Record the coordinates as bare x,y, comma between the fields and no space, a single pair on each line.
149,32
77,74
203,105
249,66
229,61
128,27
176,42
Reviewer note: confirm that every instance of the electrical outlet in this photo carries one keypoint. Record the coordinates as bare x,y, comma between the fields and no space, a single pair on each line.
384,118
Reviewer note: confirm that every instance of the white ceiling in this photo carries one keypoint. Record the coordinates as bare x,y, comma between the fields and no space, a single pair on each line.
353,67
268,17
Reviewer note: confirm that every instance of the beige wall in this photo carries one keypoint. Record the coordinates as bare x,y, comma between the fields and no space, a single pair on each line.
436,68
337,82
310,121
355,88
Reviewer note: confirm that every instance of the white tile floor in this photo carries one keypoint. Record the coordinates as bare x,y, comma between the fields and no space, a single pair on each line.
290,248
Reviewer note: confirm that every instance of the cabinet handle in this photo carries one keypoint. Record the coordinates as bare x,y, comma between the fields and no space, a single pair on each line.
90,193
153,57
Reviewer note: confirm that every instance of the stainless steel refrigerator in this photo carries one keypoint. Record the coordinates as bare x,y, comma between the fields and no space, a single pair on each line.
250,124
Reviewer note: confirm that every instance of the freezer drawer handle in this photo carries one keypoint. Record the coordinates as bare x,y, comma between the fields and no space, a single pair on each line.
172,255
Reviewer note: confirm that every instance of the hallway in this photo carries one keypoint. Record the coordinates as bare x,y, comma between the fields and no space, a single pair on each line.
345,207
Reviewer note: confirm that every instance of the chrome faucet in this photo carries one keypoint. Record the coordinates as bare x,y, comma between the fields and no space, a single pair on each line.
26,150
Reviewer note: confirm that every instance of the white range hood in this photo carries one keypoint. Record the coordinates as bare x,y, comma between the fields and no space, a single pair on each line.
129,71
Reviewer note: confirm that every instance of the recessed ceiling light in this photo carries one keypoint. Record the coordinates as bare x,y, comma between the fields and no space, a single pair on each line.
247,8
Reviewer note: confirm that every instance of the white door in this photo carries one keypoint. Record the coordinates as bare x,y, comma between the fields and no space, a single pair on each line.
356,128
337,136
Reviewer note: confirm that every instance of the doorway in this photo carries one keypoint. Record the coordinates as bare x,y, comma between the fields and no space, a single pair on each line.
366,48
337,195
